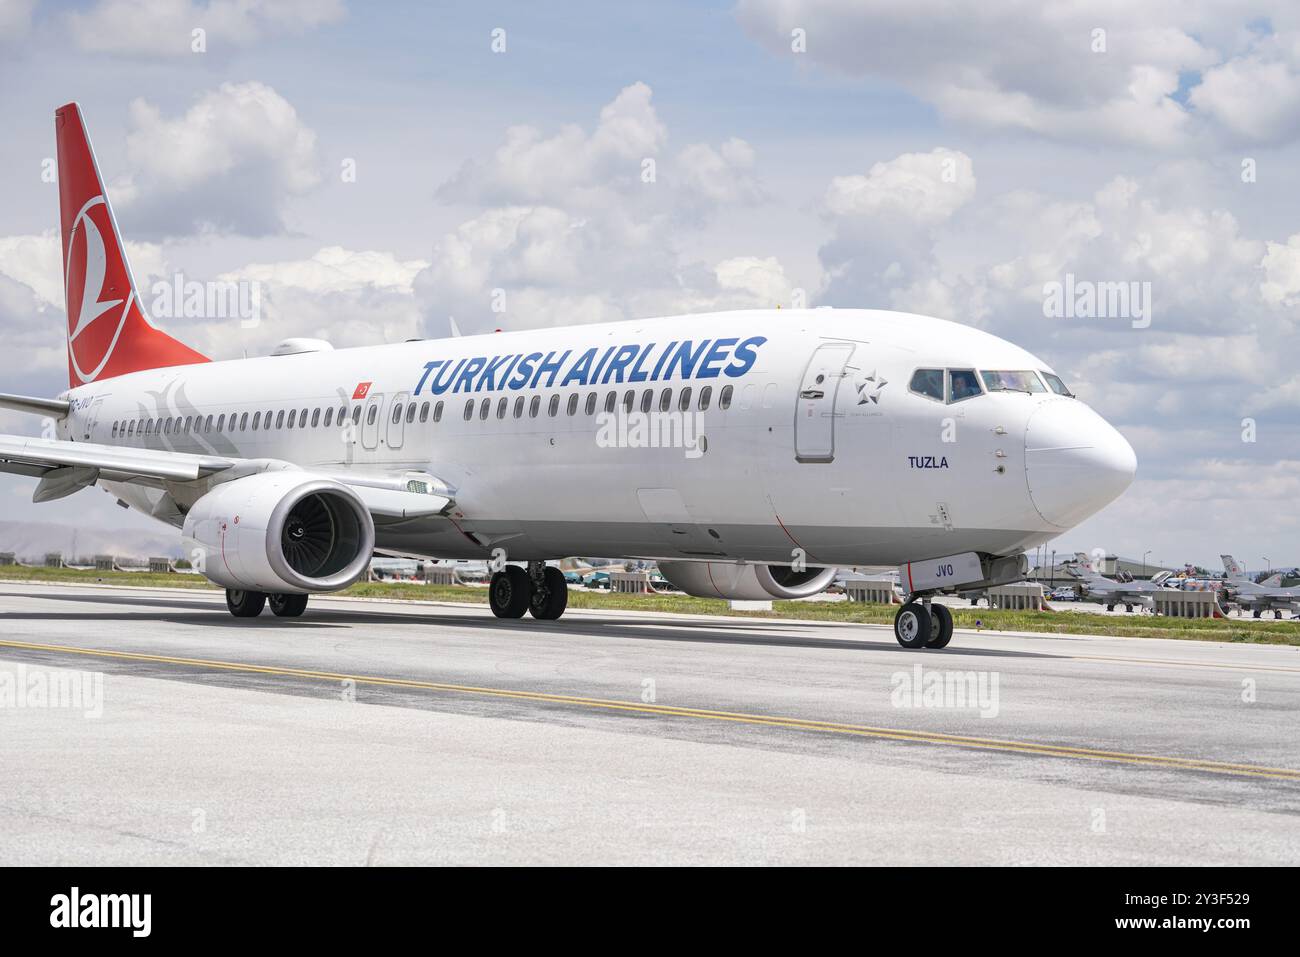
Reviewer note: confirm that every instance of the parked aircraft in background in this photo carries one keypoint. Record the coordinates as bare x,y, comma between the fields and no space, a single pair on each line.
1095,587
1258,598
750,453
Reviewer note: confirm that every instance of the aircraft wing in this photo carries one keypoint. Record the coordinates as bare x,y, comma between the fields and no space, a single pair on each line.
65,467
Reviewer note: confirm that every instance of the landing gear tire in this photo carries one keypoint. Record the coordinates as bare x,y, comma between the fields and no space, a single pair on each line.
1277,613
940,626
912,625
288,606
508,592
245,604
1257,613
1110,607
548,602
1129,609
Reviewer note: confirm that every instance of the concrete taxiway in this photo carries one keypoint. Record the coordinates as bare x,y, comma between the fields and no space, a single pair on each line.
383,733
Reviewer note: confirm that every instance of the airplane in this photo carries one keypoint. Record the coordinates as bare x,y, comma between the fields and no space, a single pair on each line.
1095,587
750,453
1259,597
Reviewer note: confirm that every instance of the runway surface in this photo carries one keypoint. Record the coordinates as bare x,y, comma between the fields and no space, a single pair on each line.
386,733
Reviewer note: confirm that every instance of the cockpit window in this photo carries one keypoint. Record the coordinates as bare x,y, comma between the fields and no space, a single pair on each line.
1056,385
928,382
963,383
1012,382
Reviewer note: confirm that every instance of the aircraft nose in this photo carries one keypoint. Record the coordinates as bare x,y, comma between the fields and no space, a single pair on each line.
1075,462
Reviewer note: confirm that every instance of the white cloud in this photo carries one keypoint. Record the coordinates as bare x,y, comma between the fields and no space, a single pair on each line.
228,164
1281,265
530,168
1257,96
334,269
164,28
925,188
1036,65
570,231
722,176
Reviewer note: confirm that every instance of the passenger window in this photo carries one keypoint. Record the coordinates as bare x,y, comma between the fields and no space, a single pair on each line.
279,419
424,413
437,411
553,407
611,400
189,421
502,406
705,394
329,417
724,397
397,412
591,403
221,423
293,417
962,384
684,400
928,382
484,408
572,407
519,407
665,400
533,406
243,422
647,399
130,429
410,413
114,430
370,417
257,418
356,415
469,410
167,427
629,400
315,418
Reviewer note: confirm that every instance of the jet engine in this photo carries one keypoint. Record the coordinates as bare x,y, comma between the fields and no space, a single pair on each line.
284,532
746,582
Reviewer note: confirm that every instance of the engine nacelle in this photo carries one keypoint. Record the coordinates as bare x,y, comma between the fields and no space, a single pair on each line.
284,532
746,582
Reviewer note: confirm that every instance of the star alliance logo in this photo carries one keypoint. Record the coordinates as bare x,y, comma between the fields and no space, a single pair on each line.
870,387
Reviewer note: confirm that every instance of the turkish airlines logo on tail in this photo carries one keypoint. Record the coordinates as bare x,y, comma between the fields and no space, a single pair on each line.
96,313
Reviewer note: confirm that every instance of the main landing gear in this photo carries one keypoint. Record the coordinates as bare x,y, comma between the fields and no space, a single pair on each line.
249,604
923,624
540,590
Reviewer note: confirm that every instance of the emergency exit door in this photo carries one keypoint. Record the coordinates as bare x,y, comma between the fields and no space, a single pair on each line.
815,408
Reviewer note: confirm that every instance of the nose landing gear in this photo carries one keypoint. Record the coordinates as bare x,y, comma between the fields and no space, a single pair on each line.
923,624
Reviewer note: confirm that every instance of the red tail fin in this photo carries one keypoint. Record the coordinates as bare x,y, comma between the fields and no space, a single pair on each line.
108,331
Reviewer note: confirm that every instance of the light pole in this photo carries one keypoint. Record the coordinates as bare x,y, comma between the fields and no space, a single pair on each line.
1268,565
1144,562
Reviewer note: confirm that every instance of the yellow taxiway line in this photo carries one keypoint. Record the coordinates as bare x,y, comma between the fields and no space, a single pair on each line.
670,711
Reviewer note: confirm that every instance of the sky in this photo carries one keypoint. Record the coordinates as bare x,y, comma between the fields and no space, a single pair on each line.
379,168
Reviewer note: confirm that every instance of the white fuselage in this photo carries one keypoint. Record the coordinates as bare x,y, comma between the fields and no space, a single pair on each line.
823,446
